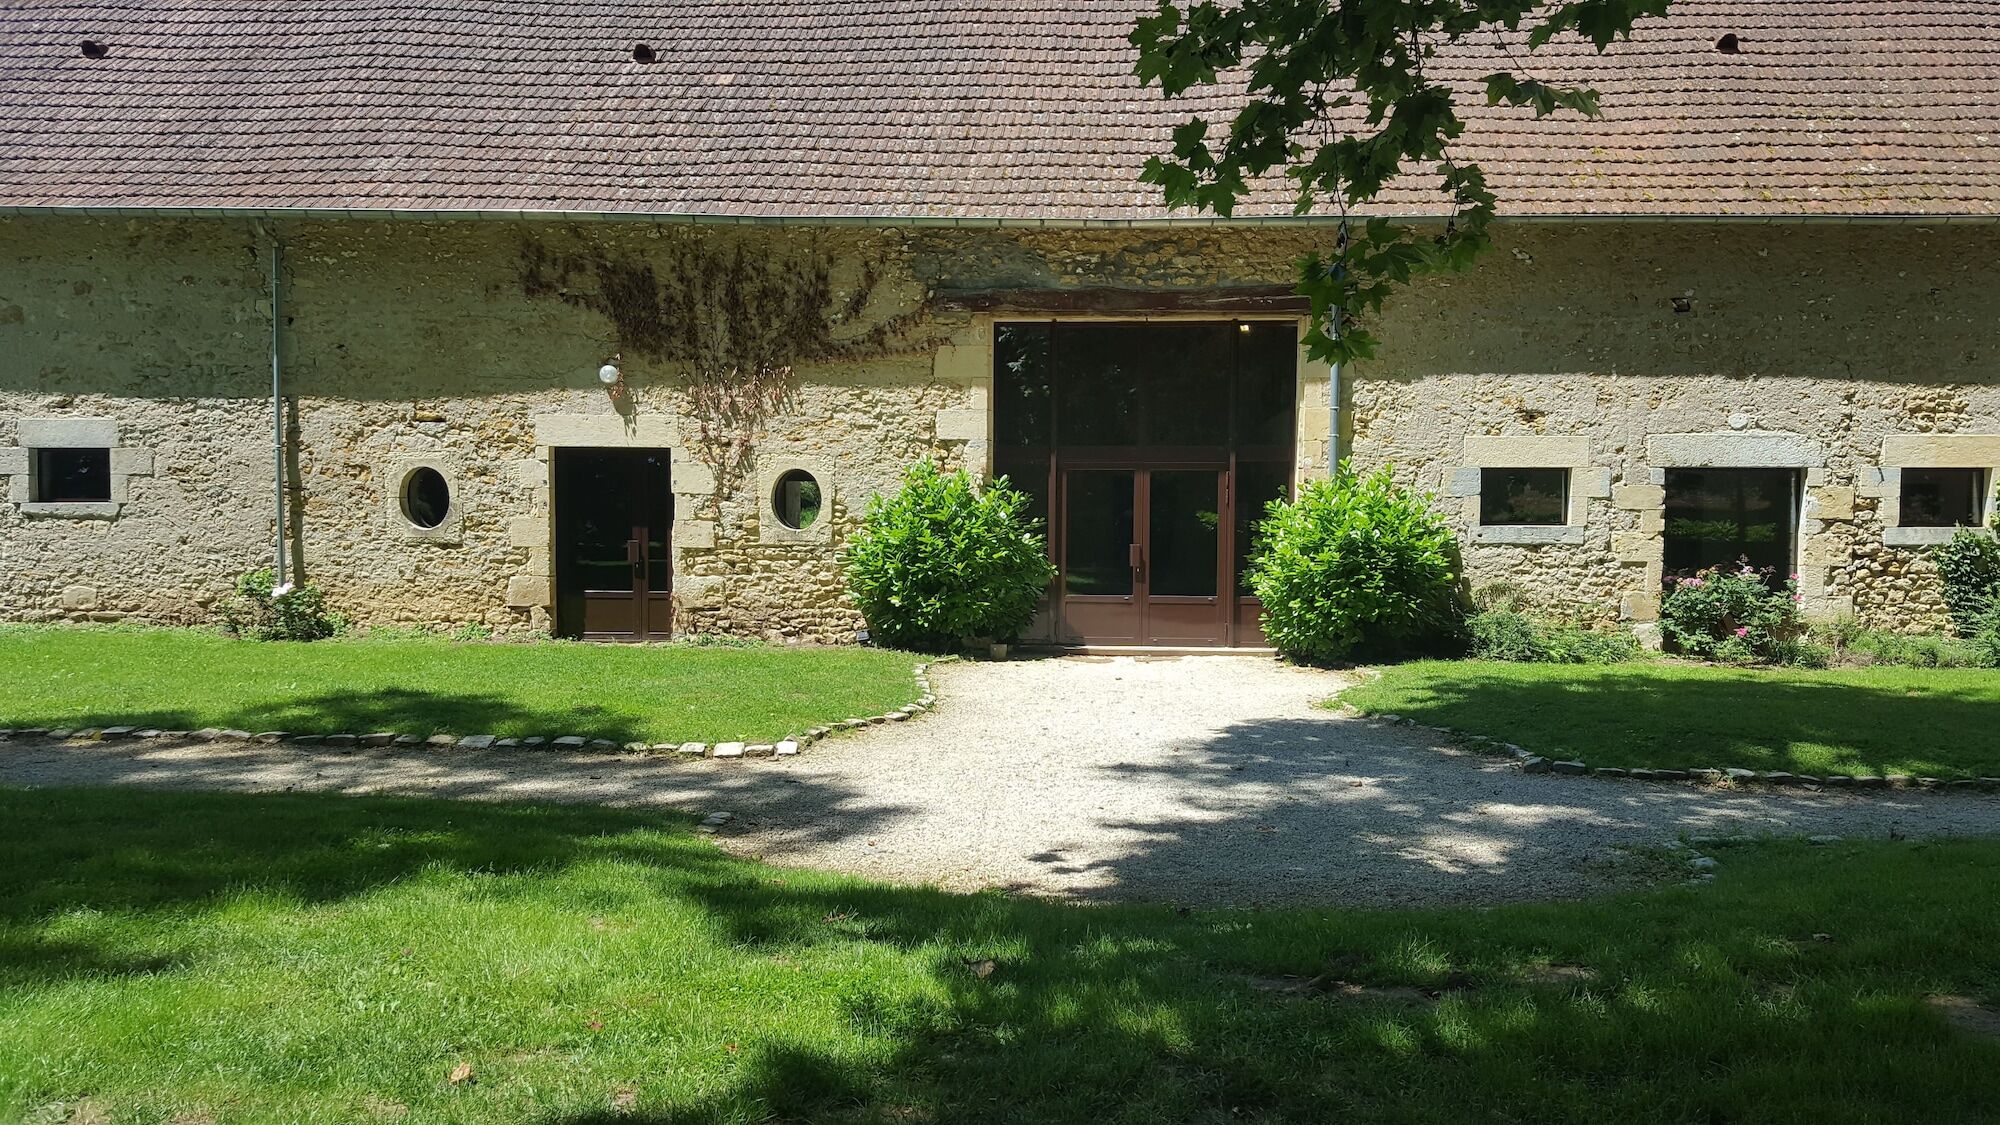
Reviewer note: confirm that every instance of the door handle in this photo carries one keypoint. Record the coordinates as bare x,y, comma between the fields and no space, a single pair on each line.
633,554
1138,560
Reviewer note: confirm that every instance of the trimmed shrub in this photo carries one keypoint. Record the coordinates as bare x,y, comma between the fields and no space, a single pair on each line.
265,611
943,561
1969,569
1731,615
1356,565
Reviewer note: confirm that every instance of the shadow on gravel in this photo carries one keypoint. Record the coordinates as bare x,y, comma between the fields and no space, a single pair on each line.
1409,821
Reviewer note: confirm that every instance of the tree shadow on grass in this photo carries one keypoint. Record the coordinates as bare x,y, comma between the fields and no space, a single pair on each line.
403,710
1791,722
987,1008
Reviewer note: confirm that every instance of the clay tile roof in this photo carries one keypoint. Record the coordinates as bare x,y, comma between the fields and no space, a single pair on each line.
938,109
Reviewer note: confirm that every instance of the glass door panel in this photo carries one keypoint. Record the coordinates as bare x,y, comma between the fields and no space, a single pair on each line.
1185,533
1099,533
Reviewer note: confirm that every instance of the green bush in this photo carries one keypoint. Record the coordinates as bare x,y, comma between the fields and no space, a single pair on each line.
1969,569
1355,565
942,561
1985,640
1731,615
264,611
1508,634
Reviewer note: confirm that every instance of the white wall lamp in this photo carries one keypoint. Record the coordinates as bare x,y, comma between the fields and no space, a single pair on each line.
613,378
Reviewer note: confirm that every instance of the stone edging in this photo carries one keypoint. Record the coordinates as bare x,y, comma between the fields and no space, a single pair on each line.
784,748
1531,762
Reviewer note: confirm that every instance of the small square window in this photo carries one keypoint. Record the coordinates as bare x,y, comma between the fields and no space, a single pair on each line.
72,476
1942,497
1524,497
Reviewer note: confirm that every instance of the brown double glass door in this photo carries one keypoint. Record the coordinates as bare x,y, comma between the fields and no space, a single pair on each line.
614,515
1144,554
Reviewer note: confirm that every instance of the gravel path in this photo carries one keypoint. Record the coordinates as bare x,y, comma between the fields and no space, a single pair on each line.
1205,779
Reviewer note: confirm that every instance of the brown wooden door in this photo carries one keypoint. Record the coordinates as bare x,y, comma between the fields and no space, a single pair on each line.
614,511
1144,555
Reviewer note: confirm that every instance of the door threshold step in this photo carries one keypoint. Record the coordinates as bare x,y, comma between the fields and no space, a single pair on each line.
1148,650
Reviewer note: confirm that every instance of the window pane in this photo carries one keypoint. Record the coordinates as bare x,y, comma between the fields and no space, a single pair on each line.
1030,474
1533,497
1099,373
1717,517
1097,533
1186,530
1185,388
1267,358
1257,484
1942,497
1023,386
72,476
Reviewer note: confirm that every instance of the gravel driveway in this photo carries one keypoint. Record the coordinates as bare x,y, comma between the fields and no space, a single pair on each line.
1204,779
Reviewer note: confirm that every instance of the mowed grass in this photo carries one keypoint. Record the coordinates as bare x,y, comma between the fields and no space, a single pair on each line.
186,679
229,958
1921,722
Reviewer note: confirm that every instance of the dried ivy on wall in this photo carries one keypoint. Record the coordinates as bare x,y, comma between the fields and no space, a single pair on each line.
732,321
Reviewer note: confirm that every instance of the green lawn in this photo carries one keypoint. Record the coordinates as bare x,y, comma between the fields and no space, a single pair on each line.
1941,723
184,679
227,958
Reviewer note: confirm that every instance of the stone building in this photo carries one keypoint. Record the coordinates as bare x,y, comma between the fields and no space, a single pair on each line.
607,320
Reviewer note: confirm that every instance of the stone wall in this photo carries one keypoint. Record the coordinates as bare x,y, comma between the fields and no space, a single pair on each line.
1821,348
473,349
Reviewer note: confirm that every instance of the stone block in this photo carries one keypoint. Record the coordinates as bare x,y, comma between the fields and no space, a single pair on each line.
1527,451
1937,451
1640,607
1755,449
1638,497
70,433
528,531
699,591
729,749
692,478
1591,483
1463,482
963,363
525,591
653,429
1635,546
1833,503
696,535
1559,535
13,460
132,462
1653,522
79,597
962,425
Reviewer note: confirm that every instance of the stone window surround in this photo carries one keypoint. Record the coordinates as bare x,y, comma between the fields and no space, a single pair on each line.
1587,482
450,531
1645,493
771,530
17,465
1927,451
966,359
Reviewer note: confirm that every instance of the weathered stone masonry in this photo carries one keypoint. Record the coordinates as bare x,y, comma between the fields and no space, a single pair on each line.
1849,352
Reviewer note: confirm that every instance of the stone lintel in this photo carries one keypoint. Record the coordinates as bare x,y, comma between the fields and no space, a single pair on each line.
1734,450
1527,451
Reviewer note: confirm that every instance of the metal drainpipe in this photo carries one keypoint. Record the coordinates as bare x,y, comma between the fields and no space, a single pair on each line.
1333,403
277,401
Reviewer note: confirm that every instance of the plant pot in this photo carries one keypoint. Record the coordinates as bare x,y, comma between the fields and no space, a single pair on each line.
997,650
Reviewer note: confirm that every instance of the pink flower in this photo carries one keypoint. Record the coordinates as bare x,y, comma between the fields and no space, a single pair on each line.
1742,632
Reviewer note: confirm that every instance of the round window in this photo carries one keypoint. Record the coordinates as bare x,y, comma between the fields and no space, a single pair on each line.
796,499
426,497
